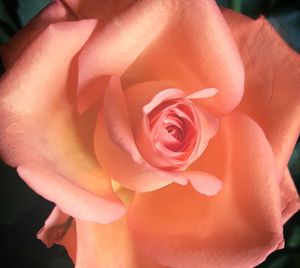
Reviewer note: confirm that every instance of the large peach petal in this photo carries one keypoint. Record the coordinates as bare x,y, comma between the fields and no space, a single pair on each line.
53,13
195,50
238,227
108,246
40,128
272,95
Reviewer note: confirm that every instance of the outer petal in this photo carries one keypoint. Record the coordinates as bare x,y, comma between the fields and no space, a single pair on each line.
238,227
54,12
39,127
272,95
55,227
186,42
60,229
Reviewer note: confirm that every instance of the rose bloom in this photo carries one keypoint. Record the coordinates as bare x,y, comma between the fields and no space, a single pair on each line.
160,129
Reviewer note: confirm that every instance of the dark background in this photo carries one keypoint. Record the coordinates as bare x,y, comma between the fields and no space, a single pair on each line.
22,212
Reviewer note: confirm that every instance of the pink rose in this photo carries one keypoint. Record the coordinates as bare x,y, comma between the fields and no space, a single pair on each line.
135,118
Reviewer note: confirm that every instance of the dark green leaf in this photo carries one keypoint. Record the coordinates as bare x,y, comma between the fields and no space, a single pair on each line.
294,240
28,9
287,22
15,198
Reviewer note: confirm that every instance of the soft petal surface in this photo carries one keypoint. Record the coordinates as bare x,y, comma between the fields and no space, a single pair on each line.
204,183
238,227
53,13
108,246
194,51
272,95
116,44
40,128
186,42
290,202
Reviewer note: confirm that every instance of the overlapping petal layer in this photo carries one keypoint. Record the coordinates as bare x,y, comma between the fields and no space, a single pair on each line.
272,95
40,131
186,42
99,245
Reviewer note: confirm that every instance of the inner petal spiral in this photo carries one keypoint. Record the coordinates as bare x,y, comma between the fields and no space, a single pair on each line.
174,133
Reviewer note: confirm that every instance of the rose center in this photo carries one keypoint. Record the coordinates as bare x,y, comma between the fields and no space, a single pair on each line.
174,132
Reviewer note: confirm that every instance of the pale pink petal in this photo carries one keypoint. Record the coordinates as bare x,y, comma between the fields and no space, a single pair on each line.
238,227
203,93
162,96
39,130
203,182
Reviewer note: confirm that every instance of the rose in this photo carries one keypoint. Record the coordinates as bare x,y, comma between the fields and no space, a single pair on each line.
155,47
